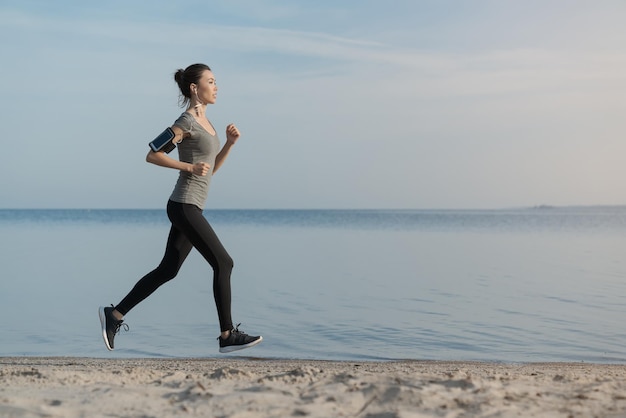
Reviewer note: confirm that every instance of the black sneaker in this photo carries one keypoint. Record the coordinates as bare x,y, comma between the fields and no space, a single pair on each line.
110,325
237,340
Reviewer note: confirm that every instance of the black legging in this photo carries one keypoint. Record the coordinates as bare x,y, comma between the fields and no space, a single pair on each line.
189,229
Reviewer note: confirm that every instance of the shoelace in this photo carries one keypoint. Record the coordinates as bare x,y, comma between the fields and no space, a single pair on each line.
119,325
235,331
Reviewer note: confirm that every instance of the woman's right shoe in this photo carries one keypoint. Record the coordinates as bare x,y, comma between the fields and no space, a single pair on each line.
237,340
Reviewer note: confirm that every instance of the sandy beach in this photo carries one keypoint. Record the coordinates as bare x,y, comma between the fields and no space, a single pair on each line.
247,387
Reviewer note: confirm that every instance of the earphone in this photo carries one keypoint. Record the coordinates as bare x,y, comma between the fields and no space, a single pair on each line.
197,106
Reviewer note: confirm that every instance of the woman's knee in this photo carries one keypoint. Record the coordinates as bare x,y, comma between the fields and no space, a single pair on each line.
167,271
226,262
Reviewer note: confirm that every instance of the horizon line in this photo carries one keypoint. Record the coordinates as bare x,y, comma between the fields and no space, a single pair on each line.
539,207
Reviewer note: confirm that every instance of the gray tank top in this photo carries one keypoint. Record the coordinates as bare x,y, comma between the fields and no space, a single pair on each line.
197,147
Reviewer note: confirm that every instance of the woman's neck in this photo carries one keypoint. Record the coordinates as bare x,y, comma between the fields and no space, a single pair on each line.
197,109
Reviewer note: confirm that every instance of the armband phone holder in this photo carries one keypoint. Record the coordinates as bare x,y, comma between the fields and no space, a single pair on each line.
164,142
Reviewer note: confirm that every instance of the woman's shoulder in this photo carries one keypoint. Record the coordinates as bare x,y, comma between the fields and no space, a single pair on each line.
185,116
185,121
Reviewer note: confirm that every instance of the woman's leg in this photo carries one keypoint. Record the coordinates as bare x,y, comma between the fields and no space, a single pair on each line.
176,251
192,223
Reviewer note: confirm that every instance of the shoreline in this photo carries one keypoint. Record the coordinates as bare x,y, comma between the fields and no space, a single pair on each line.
256,387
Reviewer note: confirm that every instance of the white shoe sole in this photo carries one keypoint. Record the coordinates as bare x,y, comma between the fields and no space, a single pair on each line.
231,348
103,322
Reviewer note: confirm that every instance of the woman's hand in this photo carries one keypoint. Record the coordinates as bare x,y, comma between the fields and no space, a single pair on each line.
200,169
232,133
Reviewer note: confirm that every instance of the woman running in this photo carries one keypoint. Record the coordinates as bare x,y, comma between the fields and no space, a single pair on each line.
200,157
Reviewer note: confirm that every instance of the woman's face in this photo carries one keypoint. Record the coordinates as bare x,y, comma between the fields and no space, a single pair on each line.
207,89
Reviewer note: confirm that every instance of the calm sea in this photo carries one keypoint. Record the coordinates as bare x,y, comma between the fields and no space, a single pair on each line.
537,284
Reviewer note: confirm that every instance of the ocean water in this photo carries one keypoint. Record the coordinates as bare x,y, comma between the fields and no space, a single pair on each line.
536,284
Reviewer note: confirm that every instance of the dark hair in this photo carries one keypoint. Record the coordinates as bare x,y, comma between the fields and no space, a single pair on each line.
185,78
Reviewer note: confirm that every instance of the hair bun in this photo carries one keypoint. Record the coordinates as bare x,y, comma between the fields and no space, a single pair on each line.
179,75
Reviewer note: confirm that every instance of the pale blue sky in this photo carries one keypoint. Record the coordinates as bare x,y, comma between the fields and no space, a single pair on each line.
341,104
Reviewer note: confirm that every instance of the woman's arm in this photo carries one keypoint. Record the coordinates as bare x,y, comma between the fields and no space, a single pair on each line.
163,160
232,135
